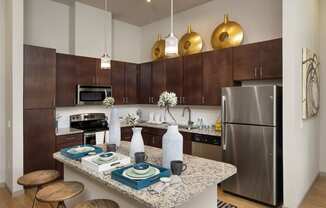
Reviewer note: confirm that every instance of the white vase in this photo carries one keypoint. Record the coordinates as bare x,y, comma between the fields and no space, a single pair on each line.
114,128
172,146
137,142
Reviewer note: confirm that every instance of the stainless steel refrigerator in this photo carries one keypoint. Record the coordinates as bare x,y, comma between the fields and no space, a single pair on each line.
252,141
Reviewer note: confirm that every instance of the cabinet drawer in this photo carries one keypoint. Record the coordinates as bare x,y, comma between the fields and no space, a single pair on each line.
73,139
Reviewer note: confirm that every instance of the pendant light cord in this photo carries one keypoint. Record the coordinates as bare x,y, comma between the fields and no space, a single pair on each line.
171,17
105,27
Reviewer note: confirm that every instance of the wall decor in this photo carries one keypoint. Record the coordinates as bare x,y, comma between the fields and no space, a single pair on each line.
158,50
227,34
190,43
310,84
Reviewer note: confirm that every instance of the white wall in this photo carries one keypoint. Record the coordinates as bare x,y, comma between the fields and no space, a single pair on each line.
2,92
14,92
261,20
90,32
127,42
77,28
47,24
322,12
300,138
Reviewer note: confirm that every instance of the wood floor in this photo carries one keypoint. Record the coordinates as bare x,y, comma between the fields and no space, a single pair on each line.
316,198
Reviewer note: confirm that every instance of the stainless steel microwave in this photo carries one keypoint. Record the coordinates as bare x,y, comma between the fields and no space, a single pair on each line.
92,95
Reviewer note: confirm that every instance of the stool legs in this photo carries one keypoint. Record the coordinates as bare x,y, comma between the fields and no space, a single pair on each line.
61,205
35,200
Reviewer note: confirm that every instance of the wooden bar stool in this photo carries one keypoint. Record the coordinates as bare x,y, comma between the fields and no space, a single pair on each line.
98,203
37,179
59,192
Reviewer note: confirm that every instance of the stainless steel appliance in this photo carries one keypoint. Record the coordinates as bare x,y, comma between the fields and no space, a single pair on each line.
252,141
208,147
92,95
90,123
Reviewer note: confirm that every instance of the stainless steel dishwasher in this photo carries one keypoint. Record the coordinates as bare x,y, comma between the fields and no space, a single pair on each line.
206,146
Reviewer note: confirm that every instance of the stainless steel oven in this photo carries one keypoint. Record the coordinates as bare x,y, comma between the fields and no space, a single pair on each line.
92,95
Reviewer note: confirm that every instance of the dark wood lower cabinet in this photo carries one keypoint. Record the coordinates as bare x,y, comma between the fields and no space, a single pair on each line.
39,139
64,142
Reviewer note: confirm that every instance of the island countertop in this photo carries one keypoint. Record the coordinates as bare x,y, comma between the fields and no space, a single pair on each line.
200,175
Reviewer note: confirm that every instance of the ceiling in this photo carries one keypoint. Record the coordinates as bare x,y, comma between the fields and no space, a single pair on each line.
139,12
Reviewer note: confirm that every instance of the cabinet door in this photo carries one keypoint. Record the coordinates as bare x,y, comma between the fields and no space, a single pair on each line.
39,140
66,80
86,70
131,78
158,80
118,81
246,62
103,76
39,77
187,143
145,79
271,59
192,79
174,76
217,73
65,142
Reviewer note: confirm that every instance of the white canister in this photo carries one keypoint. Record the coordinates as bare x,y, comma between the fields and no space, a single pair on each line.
114,128
172,146
137,142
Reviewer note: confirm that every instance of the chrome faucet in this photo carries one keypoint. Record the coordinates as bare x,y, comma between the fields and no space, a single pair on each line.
190,123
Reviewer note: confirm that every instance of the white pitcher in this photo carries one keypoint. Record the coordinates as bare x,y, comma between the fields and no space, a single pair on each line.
137,142
114,128
172,146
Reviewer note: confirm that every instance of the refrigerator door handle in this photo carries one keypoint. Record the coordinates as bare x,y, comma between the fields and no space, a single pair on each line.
223,122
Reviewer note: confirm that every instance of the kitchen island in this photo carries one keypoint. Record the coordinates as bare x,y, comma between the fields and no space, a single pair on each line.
197,188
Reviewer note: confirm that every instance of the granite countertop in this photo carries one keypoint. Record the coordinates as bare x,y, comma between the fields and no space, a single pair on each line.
200,174
210,131
67,131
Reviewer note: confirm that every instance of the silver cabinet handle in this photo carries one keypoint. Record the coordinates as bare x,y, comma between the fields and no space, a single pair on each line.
203,100
261,71
255,72
152,100
223,122
149,100
127,100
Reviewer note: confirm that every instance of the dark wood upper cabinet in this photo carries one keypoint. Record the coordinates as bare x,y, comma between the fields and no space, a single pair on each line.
66,80
86,68
39,139
192,79
145,81
217,73
118,81
39,77
174,76
103,76
246,62
258,61
271,64
158,80
131,84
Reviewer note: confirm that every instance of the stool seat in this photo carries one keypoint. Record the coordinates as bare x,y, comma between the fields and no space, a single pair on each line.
59,192
98,203
38,178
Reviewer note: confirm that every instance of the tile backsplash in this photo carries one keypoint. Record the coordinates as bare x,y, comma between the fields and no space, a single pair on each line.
209,114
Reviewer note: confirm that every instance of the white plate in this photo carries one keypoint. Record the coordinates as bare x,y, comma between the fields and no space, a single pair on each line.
129,173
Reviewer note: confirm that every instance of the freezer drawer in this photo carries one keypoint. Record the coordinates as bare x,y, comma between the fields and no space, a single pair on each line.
258,105
252,149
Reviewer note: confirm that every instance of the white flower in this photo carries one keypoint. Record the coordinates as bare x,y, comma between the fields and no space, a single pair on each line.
108,102
131,119
167,99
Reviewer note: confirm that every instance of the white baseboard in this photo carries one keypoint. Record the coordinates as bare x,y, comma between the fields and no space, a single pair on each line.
322,173
13,194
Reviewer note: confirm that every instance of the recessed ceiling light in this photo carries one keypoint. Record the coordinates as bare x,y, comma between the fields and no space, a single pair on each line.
148,1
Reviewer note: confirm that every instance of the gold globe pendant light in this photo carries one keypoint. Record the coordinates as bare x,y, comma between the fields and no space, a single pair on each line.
190,43
105,58
227,34
171,42
158,50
